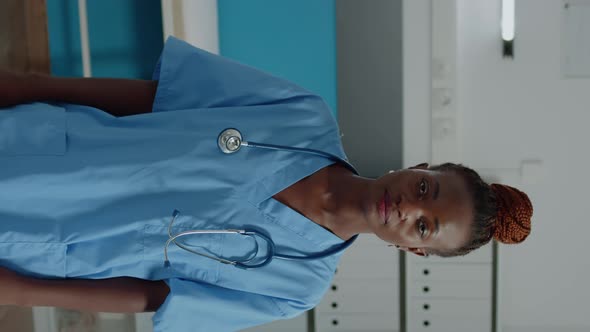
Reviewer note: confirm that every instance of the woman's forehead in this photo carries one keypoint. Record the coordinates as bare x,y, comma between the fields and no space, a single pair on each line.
453,209
451,185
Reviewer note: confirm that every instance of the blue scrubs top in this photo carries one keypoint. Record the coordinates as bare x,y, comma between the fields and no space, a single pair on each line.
89,195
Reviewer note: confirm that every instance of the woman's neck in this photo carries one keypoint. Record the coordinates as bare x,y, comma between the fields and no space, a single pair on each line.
332,198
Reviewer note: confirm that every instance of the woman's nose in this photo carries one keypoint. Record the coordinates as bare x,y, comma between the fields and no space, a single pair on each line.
403,216
407,210
401,212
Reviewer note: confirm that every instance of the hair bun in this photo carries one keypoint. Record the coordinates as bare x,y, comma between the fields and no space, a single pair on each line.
513,216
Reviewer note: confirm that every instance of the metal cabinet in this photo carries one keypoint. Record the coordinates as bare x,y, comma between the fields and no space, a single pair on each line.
452,294
364,295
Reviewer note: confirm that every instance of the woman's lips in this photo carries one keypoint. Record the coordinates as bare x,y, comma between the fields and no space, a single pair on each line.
384,207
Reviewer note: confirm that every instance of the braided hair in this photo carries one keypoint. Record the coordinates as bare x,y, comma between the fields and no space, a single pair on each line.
500,212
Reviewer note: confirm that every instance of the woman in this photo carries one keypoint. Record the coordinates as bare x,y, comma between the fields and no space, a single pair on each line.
93,193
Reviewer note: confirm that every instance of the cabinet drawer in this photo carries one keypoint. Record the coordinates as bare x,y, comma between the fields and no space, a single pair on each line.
450,315
444,324
387,267
362,296
470,289
452,272
424,308
357,322
369,262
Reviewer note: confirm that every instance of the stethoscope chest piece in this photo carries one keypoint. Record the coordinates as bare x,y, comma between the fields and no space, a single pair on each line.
230,140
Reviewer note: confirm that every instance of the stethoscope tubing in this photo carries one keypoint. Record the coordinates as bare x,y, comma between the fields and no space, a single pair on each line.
230,141
296,149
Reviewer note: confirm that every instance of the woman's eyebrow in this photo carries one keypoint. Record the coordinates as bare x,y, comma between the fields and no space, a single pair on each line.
436,190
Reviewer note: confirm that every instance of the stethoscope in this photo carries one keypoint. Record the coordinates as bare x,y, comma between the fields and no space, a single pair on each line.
230,141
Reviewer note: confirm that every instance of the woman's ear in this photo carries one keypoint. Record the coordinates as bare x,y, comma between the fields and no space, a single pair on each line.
416,251
419,252
420,166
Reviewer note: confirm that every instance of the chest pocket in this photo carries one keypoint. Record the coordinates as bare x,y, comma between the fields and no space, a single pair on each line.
33,129
34,259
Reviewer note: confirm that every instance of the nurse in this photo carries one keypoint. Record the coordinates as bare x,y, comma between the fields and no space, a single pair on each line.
97,174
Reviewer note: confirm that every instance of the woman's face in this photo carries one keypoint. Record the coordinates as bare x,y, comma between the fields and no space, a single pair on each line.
418,209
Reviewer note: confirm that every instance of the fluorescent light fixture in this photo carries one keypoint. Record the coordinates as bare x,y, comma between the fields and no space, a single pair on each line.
508,28
508,20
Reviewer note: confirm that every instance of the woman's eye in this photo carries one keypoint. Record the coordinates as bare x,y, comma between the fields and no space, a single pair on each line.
423,189
422,228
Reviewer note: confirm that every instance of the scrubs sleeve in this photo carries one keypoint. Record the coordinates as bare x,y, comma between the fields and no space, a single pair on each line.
189,78
196,306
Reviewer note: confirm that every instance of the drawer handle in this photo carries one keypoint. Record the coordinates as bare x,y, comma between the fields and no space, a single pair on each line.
426,272
426,306
426,323
426,289
334,322
334,305
334,287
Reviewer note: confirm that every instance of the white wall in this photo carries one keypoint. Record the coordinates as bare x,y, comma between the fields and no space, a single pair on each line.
513,110
416,45
192,20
